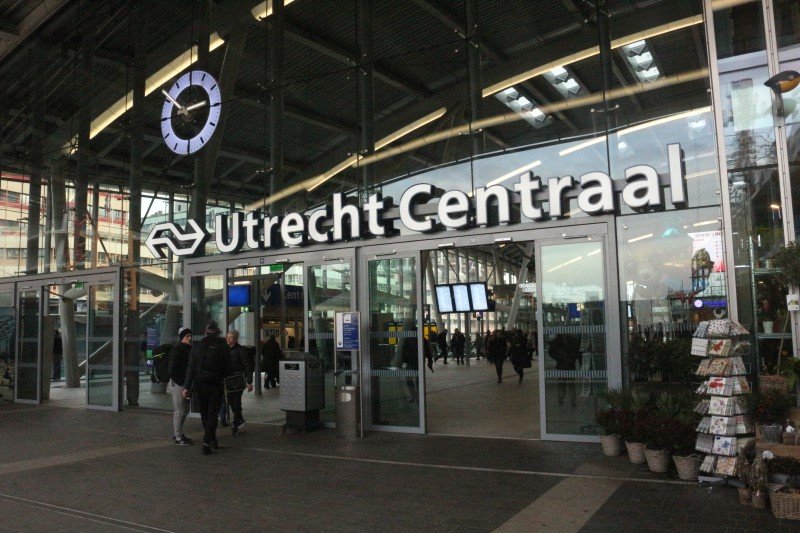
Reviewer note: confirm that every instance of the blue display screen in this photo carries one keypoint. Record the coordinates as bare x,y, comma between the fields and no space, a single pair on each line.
238,295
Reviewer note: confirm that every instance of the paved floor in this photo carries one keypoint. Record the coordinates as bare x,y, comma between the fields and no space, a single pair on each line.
78,470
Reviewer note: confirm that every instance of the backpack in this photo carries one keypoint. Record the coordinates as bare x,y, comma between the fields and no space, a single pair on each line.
161,363
212,367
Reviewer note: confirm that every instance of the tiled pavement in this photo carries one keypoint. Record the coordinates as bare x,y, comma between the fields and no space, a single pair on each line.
77,470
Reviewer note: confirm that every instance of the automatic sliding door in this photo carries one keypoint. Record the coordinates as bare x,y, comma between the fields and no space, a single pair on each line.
100,360
573,337
28,356
395,347
8,329
329,290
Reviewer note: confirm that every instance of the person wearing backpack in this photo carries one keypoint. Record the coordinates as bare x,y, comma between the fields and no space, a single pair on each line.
209,363
178,362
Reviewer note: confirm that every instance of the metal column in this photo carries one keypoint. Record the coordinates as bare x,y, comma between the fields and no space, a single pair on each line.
276,44
366,87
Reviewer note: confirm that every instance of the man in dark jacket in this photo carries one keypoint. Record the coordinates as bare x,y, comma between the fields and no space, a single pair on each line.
457,345
271,356
209,363
441,340
178,361
241,361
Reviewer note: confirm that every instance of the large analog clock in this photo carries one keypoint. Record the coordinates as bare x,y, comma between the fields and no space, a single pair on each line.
191,112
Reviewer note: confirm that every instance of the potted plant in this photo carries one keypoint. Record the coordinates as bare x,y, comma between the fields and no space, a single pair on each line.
631,425
610,437
758,483
659,431
787,261
743,473
783,470
772,408
687,461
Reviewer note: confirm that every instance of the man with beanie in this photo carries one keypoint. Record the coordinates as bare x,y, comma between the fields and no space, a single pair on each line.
209,363
178,361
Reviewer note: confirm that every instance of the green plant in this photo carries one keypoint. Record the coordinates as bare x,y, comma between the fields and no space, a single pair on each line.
772,407
790,368
616,398
685,438
658,430
607,420
640,399
758,474
787,261
642,355
742,469
630,430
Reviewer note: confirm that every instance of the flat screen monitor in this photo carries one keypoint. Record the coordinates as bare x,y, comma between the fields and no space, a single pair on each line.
445,298
477,291
461,298
238,295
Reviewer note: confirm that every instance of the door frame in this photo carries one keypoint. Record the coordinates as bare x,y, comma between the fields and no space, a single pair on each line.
105,276
220,264
10,287
611,312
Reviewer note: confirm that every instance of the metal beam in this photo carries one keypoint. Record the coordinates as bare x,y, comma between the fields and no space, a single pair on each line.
298,113
38,16
339,53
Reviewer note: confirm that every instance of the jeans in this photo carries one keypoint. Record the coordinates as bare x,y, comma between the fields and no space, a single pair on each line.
180,408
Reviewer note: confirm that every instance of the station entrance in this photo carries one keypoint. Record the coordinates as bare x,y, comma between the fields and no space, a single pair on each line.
61,340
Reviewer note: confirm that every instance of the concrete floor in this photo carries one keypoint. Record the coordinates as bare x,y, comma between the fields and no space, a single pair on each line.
84,471
461,400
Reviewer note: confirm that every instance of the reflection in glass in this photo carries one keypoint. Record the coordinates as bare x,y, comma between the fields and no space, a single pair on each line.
394,345
573,314
8,349
328,289
27,379
100,353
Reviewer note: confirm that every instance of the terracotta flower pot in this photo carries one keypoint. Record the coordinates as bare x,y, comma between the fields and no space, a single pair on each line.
612,444
635,452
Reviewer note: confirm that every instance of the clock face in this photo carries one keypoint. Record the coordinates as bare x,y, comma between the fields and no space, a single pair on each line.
191,112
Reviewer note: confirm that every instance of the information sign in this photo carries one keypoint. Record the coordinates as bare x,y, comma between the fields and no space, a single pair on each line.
348,331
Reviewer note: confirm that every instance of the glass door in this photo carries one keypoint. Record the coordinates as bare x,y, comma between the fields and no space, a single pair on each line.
330,290
8,349
391,316
572,289
101,363
28,363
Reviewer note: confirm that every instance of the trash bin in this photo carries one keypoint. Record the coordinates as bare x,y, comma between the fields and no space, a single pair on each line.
302,391
348,411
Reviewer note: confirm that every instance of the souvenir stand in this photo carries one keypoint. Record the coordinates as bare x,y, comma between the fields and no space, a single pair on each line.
726,426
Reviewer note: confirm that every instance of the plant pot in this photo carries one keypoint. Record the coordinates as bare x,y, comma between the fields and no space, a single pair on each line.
657,460
767,383
772,434
635,452
745,496
612,444
759,499
688,467
767,325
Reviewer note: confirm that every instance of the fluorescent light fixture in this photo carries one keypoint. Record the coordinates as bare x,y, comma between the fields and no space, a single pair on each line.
593,253
405,130
664,120
700,174
565,263
593,51
154,82
640,238
264,9
514,173
705,223
774,206
353,159
581,146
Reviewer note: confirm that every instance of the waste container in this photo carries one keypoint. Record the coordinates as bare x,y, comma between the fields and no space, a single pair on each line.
302,392
348,411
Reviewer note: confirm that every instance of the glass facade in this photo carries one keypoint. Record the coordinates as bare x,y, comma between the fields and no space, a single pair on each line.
651,120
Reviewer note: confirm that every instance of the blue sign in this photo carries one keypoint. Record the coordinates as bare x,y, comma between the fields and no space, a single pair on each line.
348,331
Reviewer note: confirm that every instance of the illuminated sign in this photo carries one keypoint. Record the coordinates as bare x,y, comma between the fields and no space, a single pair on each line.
341,221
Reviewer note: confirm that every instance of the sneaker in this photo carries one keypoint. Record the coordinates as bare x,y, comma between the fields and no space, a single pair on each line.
240,426
181,441
186,439
206,449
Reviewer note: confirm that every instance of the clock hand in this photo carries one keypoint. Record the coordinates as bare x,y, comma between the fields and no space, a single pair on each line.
171,99
195,106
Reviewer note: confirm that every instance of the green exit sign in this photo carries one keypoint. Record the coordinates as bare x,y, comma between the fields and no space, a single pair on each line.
278,267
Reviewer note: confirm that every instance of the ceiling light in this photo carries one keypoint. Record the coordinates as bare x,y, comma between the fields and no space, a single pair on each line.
640,238
514,173
705,223
581,146
663,120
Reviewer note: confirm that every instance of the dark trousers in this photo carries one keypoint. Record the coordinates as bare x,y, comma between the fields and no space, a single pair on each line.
235,401
56,366
208,404
498,366
519,370
271,379
443,353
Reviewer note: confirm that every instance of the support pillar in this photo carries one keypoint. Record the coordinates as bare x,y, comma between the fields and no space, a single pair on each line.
276,50
84,146
523,274
366,88
474,74
38,95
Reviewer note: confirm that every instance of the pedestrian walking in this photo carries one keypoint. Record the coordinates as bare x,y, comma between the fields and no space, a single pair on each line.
177,364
